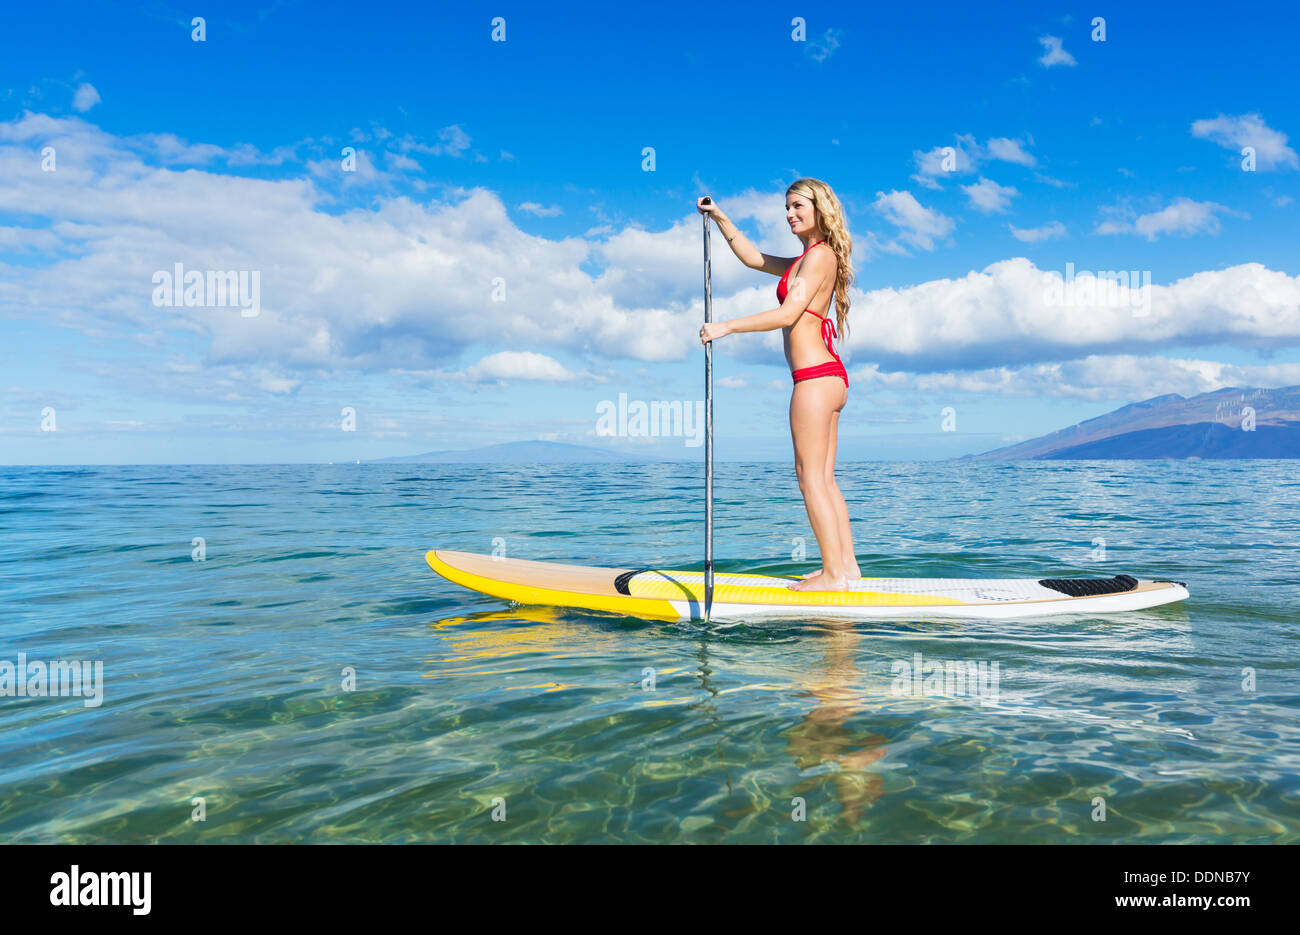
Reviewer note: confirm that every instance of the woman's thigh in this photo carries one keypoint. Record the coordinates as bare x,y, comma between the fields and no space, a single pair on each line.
812,405
832,441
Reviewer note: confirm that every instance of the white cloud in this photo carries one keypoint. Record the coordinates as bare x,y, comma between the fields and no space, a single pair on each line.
273,383
1011,313
400,162
1235,133
541,211
1093,378
1055,54
1038,234
1055,183
1182,216
819,50
989,197
85,98
963,156
967,155
453,142
1010,151
869,243
399,285
178,379
520,365
918,225
172,150
26,238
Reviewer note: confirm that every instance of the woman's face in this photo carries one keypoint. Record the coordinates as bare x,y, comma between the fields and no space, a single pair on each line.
800,215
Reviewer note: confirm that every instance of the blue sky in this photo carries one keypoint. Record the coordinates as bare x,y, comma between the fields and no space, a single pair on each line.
497,261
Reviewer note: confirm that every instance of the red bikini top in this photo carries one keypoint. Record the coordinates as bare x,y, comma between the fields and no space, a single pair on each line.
781,288
828,326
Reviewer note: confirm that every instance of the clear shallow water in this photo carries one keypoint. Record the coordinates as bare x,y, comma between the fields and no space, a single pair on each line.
222,678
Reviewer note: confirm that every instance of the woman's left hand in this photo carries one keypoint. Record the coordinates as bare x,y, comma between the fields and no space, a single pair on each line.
714,329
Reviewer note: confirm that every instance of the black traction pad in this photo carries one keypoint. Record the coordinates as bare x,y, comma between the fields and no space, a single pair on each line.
621,581
1081,587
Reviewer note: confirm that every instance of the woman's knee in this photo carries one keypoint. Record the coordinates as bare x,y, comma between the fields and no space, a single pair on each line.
812,481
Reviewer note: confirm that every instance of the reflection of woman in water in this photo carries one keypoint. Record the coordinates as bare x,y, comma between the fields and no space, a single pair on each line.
822,737
822,274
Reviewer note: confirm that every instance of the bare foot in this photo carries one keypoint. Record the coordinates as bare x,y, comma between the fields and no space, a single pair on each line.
854,575
821,583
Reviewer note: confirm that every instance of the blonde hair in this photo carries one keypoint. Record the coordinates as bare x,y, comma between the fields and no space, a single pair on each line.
834,230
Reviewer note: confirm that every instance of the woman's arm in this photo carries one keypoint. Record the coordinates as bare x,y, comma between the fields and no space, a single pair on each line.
763,321
817,270
745,251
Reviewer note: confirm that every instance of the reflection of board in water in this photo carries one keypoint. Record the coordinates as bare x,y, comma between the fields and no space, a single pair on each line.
678,595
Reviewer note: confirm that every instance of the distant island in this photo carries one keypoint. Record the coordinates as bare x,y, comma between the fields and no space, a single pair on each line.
1230,423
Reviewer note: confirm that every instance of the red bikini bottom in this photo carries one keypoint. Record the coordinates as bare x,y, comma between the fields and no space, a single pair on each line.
832,368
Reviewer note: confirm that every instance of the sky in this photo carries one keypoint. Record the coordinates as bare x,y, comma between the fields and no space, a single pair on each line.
466,224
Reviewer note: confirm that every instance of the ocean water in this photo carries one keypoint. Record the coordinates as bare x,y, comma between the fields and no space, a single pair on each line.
225,691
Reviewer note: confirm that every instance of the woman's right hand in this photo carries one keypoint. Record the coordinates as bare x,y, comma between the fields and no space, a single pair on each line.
711,208
714,330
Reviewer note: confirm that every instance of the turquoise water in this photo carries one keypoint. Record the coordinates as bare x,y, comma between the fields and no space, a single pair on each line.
223,678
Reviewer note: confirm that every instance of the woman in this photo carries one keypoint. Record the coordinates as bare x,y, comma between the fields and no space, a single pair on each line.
822,274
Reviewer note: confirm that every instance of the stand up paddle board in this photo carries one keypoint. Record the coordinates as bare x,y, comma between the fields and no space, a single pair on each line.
679,595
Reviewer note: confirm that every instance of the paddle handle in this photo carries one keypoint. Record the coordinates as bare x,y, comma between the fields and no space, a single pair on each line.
708,431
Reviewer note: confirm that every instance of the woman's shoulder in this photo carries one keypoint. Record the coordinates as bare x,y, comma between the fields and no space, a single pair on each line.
821,256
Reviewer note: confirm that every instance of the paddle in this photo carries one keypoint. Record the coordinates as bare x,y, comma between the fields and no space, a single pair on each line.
708,432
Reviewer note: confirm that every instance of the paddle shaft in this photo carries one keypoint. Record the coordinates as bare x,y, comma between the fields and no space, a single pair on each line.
708,433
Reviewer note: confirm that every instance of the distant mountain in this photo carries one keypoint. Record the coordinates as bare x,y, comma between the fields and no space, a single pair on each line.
1173,426
516,453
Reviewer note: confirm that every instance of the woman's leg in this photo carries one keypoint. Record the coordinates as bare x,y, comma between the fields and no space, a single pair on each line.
849,557
812,407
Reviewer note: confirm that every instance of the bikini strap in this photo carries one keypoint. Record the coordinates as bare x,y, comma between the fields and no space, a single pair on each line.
797,259
828,332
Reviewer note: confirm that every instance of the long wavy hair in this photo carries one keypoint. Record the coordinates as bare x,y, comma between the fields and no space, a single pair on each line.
834,230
